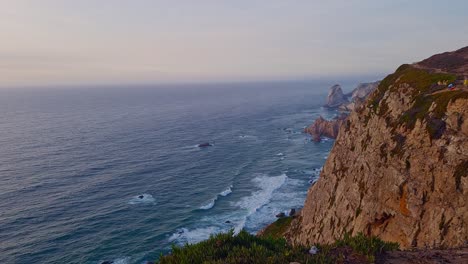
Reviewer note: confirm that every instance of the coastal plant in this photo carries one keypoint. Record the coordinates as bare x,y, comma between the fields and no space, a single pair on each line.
243,248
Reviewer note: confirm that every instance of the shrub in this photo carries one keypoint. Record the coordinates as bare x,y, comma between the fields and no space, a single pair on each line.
246,248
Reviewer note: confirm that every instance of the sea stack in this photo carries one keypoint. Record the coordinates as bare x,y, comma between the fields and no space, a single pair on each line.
335,96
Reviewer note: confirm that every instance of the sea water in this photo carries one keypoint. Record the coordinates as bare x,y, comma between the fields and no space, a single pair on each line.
115,173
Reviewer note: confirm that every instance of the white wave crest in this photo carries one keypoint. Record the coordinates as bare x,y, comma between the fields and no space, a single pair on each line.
212,202
261,197
226,192
184,235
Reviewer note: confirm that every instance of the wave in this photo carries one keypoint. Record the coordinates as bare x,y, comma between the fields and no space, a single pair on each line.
226,192
259,198
211,202
184,235
142,199
274,194
124,260
209,205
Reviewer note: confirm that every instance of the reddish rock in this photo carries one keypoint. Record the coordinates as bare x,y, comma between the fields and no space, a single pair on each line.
325,128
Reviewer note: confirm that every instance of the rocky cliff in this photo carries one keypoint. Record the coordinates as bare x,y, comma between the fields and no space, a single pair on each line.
325,128
399,165
358,95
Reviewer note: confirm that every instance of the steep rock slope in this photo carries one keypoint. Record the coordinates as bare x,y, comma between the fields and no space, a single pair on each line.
398,168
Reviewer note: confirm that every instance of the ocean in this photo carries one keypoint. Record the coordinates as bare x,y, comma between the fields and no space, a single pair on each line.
114,173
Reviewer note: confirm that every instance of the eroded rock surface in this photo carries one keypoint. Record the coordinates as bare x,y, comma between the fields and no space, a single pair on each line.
398,168
325,128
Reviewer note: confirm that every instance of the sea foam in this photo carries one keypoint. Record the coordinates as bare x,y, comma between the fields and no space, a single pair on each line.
259,198
211,202
184,235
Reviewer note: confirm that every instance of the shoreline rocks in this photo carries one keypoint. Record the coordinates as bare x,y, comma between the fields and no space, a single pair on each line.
325,128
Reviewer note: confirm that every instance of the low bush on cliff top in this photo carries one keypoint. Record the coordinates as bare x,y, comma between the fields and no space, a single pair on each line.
278,228
246,248
419,79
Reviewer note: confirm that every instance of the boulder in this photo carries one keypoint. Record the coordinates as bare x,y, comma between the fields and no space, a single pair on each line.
292,212
280,215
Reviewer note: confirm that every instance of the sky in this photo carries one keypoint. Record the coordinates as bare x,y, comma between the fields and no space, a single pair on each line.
55,42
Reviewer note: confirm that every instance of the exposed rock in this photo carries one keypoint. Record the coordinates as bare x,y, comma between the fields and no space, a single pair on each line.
363,90
292,212
313,250
335,97
398,168
279,215
358,95
326,128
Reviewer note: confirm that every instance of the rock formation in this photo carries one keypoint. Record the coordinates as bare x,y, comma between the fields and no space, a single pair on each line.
399,165
363,90
335,97
325,128
358,95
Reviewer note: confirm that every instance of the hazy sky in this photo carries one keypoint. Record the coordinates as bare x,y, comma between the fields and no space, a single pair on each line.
47,42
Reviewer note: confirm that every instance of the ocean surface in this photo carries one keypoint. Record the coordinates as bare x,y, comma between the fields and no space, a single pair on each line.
115,173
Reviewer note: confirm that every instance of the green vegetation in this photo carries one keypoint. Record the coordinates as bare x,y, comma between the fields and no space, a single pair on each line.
246,248
420,80
420,110
278,228
424,92
367,246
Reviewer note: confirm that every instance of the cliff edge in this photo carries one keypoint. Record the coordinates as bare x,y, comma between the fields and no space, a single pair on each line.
398,169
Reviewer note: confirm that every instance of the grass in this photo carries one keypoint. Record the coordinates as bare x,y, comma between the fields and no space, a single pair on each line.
421,85
420,80
228,248
420,111
278,228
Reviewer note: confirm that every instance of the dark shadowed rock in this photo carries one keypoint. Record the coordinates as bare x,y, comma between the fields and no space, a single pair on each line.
292,212
281,215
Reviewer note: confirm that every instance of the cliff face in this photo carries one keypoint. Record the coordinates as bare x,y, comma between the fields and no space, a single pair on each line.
399,165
